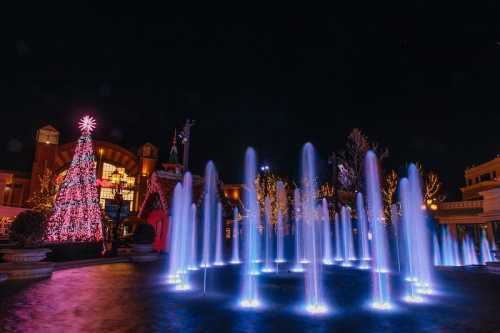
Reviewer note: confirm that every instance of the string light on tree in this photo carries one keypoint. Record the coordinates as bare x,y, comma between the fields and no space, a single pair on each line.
77,215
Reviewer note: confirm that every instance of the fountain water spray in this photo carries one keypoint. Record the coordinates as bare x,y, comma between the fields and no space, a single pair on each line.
449,247
422,247
437,250
313,281
327,236
485,249
268,262
193,266
175,236
280,228
181,237
250,297
208,211
469,252
298,232
380,270
409,226
219,260
338,240
347,239
235,259
363,232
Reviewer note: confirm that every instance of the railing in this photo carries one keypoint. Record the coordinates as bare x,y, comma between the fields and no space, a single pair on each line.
460,205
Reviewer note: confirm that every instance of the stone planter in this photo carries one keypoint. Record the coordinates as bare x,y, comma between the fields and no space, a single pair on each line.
27,270
142,248
24,255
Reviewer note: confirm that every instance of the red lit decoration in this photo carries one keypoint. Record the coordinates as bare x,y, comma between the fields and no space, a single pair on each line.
77,216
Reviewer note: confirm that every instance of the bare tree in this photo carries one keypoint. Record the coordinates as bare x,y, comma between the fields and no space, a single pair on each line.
43,200
350,161
389,190
431,186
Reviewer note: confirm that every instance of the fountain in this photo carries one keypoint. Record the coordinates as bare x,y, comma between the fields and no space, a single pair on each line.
268,264
297,268
280,204
363,232
208,205
469,252
380,271
219,260
485,249
422,249
181,238
338,240
250,297
437,251
235,259
409,227
175,236
418,261
327,237
347,240
449,248
313,280
193,266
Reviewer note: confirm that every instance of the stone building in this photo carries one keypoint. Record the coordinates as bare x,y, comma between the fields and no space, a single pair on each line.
480,205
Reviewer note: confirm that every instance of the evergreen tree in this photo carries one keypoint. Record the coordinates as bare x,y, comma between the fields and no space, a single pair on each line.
77,216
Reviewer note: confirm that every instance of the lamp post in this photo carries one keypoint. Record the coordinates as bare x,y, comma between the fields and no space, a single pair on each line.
120,182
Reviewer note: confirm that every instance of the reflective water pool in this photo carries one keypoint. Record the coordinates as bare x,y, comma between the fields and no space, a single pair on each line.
135,298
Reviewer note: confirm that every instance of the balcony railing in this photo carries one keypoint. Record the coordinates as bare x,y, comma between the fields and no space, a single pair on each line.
460,205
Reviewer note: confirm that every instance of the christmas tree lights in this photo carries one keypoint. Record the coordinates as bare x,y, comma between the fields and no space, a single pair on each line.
77,216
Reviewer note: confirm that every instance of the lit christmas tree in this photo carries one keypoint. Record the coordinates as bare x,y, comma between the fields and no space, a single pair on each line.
77,216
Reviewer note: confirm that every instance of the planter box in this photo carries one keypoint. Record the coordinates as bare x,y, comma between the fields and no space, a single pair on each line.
24,255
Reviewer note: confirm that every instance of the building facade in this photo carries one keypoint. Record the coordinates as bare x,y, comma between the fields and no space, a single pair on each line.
53,158
480,206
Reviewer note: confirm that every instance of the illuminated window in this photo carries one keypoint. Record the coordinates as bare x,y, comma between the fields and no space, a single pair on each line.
107,193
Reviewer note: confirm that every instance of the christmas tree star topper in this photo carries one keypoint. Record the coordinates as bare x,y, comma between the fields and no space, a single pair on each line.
87,124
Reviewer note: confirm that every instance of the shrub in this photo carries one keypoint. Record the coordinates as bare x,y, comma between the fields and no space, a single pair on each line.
144,234
28,229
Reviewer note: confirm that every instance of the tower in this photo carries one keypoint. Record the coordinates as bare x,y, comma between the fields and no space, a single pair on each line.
47,143
173,160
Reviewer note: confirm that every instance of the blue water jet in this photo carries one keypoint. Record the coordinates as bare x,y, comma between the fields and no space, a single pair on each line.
235,259
381,298
315,303
219,234
250,295
327,236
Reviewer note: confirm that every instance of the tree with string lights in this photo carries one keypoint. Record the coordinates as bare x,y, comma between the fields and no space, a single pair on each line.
76,216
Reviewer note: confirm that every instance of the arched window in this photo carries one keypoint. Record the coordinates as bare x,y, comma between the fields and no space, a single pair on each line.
107,192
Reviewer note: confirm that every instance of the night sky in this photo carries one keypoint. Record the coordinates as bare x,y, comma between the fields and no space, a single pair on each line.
421,79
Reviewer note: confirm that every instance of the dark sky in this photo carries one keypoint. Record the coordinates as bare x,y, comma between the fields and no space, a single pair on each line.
421,78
